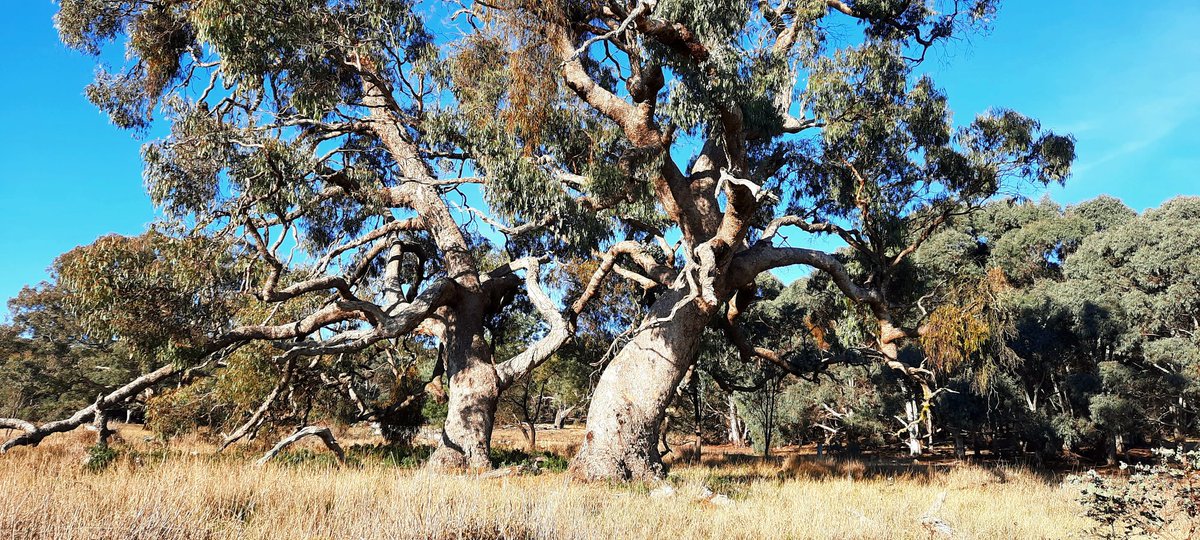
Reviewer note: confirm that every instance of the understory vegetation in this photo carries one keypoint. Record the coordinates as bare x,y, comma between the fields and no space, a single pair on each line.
187,493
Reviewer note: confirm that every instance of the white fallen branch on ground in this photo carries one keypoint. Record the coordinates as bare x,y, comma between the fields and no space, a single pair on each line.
322,432
934,524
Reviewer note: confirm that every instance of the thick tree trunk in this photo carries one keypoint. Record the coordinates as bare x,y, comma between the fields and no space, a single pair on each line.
475,381
100,423
474,386
631,398
474,392
467,432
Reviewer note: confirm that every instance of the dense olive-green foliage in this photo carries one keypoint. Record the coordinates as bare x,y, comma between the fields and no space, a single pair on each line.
1082,340
111,310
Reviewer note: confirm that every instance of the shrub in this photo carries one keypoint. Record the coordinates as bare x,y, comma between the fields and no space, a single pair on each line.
540,461
1149,500
99,458
182,410
306,456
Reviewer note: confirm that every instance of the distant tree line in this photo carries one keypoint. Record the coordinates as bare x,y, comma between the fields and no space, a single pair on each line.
1053,334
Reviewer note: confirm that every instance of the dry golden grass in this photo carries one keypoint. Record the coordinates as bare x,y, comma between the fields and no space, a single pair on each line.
47,494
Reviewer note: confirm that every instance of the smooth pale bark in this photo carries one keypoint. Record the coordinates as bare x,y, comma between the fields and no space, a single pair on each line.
323,433
467,431
561,417
475,381
636,387
737,427
627,408
913,428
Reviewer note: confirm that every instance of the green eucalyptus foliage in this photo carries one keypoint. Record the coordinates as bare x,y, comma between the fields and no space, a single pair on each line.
1083,325
156,295
1057,327
889,158
817,334
47,378
99,458
1094,331
244,86
112,310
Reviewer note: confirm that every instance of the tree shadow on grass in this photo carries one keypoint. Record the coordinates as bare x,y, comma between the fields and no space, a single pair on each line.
744,469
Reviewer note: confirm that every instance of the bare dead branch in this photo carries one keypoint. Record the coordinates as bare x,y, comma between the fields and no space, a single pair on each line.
256,417
323,433
82,416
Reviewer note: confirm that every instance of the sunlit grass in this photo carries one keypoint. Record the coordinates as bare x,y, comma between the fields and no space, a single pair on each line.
183,493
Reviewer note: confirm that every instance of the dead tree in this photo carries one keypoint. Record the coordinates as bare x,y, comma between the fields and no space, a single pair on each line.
562,415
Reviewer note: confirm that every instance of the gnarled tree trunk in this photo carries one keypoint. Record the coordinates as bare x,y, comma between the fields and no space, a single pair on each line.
634,391
475,382
467,433
474,393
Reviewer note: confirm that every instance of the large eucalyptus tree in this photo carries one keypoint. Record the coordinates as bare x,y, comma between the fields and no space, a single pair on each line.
1133,291
330,137
333,144
747,117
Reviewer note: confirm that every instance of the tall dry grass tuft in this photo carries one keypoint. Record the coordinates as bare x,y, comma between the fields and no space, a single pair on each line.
181,495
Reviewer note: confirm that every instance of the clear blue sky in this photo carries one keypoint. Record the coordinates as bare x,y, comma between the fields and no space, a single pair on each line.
1123,78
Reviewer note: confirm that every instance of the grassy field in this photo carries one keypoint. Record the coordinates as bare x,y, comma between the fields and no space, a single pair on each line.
185,492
